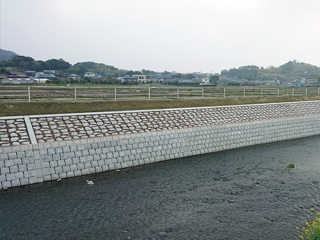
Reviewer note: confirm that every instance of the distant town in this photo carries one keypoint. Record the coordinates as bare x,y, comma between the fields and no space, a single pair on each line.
17,69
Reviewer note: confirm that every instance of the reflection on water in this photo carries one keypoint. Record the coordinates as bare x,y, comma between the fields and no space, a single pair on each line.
239,194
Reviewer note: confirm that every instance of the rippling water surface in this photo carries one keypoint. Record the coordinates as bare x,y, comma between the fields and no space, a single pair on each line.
244,193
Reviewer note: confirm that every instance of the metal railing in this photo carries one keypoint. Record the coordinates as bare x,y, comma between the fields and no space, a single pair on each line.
74,94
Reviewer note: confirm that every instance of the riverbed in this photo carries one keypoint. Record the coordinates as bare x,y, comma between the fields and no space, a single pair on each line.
246,193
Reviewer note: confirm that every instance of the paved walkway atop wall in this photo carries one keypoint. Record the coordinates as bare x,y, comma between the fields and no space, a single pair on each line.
44,128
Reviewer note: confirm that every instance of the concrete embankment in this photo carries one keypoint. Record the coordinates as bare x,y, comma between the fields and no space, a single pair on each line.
42,148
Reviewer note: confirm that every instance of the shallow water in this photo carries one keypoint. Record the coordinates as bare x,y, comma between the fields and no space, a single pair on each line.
244,193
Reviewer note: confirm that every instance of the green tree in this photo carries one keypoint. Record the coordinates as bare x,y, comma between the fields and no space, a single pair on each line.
24,62
4,71
178,75
224,72
189,76
214,79
288,67
55,64
147,72
40,66
130,72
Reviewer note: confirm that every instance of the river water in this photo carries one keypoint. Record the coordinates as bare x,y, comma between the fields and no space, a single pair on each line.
245,193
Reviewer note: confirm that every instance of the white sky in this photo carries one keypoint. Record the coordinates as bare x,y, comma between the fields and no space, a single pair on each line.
159,35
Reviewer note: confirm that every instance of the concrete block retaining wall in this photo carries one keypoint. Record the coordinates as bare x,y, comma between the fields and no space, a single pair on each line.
29,163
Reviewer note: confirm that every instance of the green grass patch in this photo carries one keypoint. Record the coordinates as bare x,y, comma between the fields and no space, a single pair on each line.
35,108
290,166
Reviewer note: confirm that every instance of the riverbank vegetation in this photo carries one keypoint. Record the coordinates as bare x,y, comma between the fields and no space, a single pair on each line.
312,229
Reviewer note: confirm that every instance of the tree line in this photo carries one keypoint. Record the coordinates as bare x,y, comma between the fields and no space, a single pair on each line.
25,63
291,70
28,63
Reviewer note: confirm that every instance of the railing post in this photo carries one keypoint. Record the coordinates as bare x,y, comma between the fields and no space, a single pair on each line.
244,92
149,93
202,92
177,93
319,91
306,91
292,92
261,92
75,94
29,94
278,92
224,93
115,94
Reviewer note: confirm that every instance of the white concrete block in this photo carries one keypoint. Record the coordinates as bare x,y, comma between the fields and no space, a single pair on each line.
6,184
46,178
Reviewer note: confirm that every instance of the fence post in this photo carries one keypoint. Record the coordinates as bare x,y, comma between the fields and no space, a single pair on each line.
319,91
292,92
278,92
244,92
75,94
177,93
306,91
115,94
149,93
224,93
261,92
202,92
29,97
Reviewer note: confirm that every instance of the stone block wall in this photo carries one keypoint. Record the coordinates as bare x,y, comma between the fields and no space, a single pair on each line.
52,160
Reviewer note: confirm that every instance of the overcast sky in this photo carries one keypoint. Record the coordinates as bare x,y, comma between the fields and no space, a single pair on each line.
173,35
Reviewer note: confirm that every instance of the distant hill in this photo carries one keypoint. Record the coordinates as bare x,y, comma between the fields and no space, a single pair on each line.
6,55
289,71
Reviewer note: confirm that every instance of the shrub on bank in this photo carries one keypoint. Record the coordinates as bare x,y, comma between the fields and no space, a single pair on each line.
312,229
290,166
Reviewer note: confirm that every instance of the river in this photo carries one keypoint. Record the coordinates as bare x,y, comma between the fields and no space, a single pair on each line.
245,193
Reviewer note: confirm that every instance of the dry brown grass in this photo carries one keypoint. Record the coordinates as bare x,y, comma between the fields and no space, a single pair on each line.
18,109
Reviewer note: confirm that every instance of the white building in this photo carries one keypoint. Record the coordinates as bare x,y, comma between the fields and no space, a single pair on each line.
205,82
89,75
142,78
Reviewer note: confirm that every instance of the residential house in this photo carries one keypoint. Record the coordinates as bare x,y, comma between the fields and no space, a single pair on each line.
40,80
3,76
49,71
142,78
73,77
47,76
17,76
30,73
89,75
18,81
312,81
268,82
205,82
127,80
190,82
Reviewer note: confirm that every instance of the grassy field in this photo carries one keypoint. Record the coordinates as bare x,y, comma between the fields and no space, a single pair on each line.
18,109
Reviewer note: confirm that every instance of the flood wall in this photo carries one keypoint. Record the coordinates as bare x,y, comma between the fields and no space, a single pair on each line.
40,148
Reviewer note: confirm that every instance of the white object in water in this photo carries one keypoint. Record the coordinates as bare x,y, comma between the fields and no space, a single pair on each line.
90,183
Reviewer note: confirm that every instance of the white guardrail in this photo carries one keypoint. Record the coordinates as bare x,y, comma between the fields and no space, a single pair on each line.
74,94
